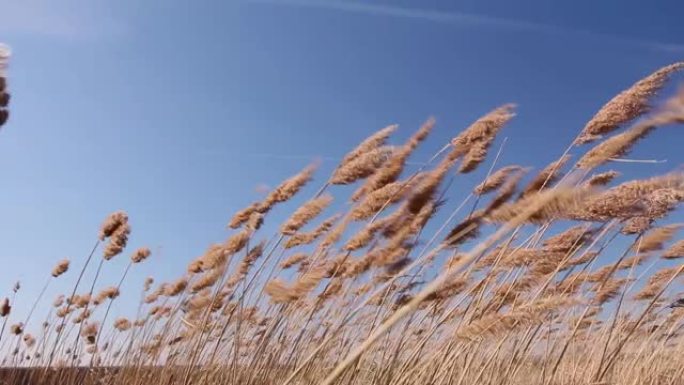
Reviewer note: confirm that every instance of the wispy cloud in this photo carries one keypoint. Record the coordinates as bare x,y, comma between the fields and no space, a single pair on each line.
474,20
69,19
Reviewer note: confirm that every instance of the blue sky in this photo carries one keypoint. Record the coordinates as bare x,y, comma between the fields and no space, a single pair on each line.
176,111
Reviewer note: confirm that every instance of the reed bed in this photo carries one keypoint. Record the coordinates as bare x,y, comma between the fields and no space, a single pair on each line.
568,275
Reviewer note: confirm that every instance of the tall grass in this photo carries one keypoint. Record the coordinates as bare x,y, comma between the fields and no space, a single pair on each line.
527,280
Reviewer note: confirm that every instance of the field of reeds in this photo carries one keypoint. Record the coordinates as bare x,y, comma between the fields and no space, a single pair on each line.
569,274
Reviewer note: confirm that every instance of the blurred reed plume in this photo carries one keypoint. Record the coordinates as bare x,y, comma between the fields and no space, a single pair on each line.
4,94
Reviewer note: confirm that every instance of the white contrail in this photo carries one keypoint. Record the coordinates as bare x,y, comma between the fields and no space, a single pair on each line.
309,157
454,17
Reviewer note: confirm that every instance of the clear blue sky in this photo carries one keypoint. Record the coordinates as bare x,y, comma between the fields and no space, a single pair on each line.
175,111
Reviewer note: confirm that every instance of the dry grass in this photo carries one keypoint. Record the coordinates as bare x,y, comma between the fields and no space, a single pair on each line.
527,286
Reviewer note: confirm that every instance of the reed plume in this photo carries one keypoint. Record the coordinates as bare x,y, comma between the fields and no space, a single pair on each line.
140,255
4,95
306,213
5,307
292,260
393,167
473,142
17,328
122,324
362,166
627,105
305,238
287,189
106,293
61,268
620,144
117,229
281,292
176,288
369,144
29,340
496,180
675,251
655,239
546,177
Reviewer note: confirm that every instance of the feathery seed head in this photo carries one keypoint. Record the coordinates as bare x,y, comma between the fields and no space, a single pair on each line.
627,105
61,268
140,255
305,213
5,307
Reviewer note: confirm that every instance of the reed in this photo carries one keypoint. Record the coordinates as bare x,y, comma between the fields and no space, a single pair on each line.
564,276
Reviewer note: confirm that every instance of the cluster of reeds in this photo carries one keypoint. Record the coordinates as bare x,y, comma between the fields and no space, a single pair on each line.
563,276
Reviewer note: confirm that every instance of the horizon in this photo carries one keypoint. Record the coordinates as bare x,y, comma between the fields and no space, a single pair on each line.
181,115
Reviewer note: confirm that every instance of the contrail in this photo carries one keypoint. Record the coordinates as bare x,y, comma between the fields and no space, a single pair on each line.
475,20
309,157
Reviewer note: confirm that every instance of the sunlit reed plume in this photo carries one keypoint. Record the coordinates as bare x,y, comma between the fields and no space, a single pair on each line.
107,293
627,105
293,260
117,230
140,254
546,177
393,167
472,144
496,180
655,239
675,251
287,189
305,238
61,268
369,144
305,213
602,179
362,166
620,144
176,287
